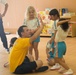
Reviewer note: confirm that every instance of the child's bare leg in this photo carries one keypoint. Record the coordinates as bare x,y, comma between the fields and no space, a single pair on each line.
63,59
64,65
36,50
60,61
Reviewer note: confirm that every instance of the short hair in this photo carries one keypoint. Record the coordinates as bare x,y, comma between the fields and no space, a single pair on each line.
64,25
54,12
20,30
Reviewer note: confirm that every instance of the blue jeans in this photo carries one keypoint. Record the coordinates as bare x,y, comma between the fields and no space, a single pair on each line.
2,35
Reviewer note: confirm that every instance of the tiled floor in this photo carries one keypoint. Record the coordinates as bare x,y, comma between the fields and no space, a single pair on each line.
70,56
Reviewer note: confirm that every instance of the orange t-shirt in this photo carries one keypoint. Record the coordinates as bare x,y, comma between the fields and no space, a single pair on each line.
18,53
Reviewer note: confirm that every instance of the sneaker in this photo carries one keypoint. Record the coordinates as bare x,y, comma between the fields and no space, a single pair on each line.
42,69
55,67
69,72
61,70
7,50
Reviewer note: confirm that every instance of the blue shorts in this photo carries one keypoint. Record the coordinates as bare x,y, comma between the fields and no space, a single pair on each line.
61,47
37,40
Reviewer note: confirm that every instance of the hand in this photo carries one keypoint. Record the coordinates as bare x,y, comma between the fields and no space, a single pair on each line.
39,16
0,15
48,55
68,20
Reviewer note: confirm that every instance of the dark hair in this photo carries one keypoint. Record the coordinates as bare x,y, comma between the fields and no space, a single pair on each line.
21,30
54,12
12,41
65,25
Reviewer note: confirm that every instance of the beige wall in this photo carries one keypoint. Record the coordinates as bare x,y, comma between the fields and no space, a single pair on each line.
15,14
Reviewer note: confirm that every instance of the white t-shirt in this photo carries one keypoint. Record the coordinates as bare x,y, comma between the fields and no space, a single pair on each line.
31,24
61,34
3,1
54,26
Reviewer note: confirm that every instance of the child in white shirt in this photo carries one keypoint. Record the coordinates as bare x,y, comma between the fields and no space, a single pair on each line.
32,23
53,15
62,32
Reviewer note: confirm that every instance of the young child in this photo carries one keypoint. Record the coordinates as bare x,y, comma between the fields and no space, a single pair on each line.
62,32
53,15
32,23
10,46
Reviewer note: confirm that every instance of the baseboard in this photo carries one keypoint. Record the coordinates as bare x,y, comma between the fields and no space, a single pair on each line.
10,30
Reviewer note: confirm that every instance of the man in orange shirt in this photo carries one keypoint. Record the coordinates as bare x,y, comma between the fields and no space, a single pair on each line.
19,61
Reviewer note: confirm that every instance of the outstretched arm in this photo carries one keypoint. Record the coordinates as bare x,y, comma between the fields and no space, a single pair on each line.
68,20
72,22
37,33
5,10
53,37
60,22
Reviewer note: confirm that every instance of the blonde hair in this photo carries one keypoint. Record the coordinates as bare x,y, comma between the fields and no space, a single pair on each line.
27,12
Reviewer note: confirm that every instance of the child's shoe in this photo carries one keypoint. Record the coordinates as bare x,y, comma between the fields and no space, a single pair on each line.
55,67
69,72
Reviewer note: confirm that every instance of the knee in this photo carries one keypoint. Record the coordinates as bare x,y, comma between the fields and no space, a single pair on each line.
35,48
58,60
31,58
51,62
39,63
